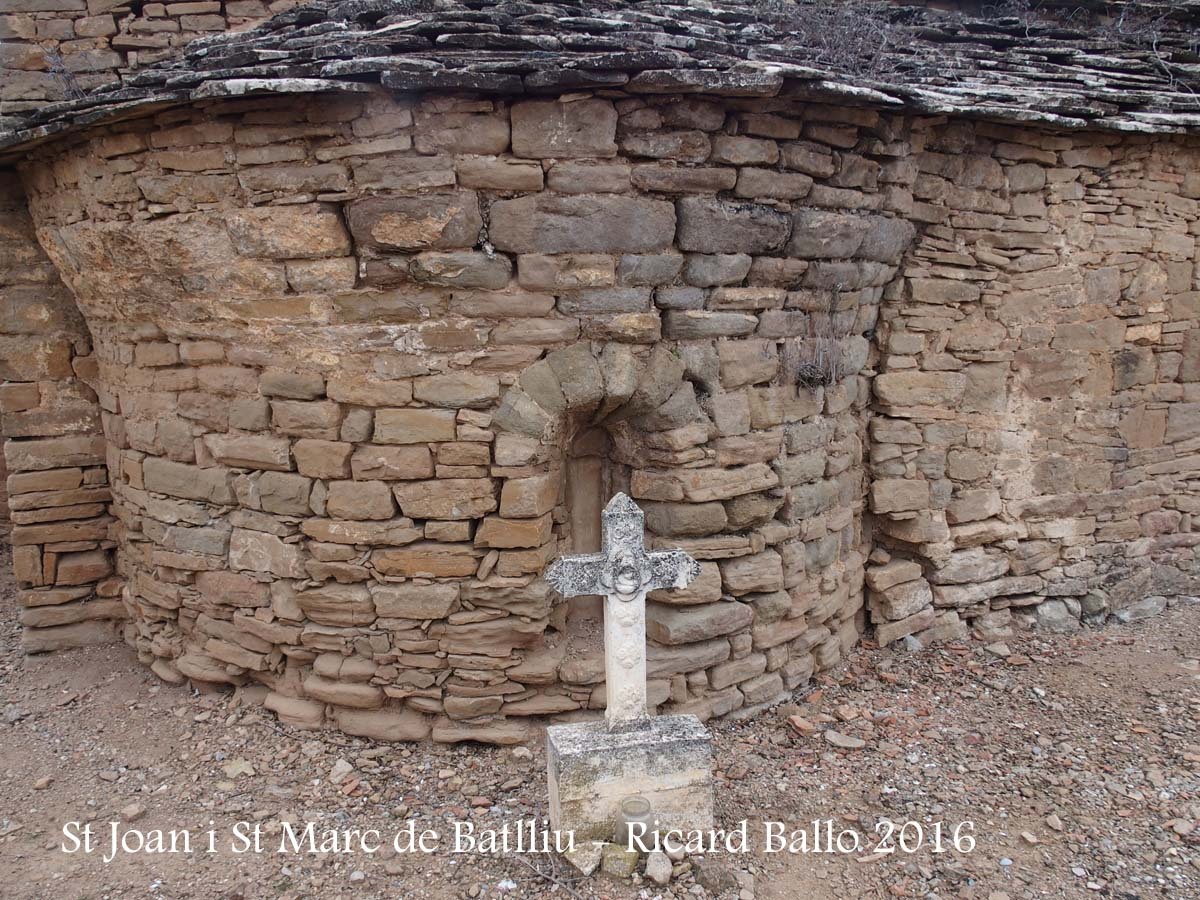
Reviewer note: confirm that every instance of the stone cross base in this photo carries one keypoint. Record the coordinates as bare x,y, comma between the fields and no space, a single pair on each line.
667,760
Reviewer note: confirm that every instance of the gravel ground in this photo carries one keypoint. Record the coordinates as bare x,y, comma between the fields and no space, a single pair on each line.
1074,759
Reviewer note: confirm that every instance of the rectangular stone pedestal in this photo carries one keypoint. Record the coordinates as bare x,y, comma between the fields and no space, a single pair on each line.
667,760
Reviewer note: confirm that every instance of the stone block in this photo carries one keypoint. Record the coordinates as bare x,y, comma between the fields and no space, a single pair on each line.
391,463
898,571
54,453
687,624
414,426
772,185
257,551
532,496
384,724
457,390
284,494
437,221
566,271
289,232
544,129
447,498
754,573
670,519
412,600
498,174
902,600
189,482
250,451
83,567
498,532
545,223
903,389
392,533
679,146
893,631
301,418
370,500
66,637
291,385
323,459
719,226
667,760
339,605
462,269
899,495
683,179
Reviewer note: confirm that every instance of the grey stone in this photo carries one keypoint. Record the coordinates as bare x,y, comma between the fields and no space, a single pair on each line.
718,226
667,760
545,223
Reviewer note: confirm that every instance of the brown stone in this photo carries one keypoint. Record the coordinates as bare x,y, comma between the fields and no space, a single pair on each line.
428,560
893,631
688,624
289,232
498,174
82,568
671,519
897,571
250,451
322,459
902,600
448,498
189,482
370,500
456,390
756,573
415,601
54,453
438,221
899,494
256,551
527,497
284,493
920,388
314,419
394,532
340,693
340,605
495,531
66,637
391,463
384,724
414,426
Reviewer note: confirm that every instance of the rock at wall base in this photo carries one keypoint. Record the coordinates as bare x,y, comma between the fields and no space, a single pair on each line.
68,637
167,671
667,760
1142,609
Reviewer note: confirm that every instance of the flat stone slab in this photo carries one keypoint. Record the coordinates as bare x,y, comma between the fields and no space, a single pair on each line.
667,760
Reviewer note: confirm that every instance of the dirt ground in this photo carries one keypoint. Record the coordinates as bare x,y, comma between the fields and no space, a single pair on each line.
1072,762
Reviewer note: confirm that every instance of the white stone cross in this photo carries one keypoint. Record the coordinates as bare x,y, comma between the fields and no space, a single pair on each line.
623,572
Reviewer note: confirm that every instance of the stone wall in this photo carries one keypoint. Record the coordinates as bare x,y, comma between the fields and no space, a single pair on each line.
351,351
55,49
1034,456
346,348
56,482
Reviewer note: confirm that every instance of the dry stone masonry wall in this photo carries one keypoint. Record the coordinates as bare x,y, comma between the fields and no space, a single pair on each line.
53,50
348,346
1033,458
54,452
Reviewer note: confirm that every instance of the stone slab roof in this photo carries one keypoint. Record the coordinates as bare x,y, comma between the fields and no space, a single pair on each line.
1139,72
